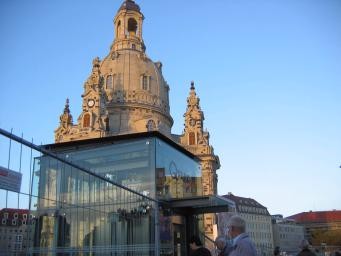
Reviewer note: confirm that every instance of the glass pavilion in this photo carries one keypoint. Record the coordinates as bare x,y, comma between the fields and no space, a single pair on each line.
136,194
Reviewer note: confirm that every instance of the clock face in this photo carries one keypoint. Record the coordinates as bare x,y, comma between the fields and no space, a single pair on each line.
91,103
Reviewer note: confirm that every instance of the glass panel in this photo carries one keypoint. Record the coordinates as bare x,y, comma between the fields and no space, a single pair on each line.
177,175
79,213
128,164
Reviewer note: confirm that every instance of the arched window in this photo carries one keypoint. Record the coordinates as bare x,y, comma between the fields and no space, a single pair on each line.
118,28
132,26
145,82
191,138
109,82
86,120
151,125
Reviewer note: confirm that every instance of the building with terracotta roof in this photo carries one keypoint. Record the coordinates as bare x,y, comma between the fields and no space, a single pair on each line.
258,222
322,227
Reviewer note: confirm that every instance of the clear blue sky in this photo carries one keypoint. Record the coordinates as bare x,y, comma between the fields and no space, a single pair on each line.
268,74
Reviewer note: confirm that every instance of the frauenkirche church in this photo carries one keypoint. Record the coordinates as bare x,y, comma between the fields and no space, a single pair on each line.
126,93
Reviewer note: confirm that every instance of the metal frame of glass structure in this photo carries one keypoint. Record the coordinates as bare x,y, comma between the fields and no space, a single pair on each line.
77,212
136,194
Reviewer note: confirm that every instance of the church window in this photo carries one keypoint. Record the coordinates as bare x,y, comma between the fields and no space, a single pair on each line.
118,28
151,125
132,26
86,120
191,138
145,82
109,84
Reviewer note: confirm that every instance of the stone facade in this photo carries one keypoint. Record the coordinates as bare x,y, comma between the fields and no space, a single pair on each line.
287,234
127,93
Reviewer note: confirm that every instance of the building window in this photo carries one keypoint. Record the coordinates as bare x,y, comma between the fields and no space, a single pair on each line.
133,46
118,28
4,221
86,120
145,82
109,84
24,216
14,222
18,238
17,246
6,215
15,215
132,26
191,138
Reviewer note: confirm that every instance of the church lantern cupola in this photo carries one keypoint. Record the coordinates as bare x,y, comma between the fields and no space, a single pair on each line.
128,27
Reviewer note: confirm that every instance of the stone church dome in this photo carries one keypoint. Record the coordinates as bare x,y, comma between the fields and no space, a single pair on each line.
130,5
133,81
125,92
133,84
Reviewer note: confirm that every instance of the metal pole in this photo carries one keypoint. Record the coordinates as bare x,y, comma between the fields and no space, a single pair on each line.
157,229
20,159
9,161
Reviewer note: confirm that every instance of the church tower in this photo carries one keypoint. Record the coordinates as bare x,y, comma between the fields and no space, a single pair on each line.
125,92
196,140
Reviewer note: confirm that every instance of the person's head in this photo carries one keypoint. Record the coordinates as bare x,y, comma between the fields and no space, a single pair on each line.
195,242
277,251
304,244
236,226
220,242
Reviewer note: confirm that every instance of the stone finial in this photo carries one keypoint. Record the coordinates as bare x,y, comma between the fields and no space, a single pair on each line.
66,117
66,108
159,65
192,85
95,62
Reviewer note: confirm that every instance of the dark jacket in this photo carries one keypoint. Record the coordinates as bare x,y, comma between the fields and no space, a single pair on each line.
226,251
306,252
202,251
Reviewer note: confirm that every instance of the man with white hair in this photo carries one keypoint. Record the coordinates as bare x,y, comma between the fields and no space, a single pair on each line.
242,244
